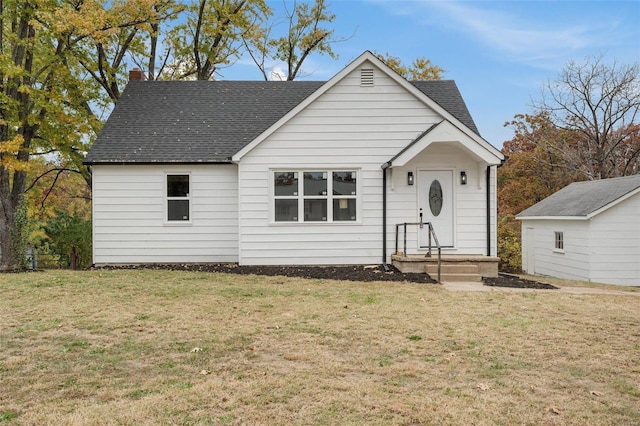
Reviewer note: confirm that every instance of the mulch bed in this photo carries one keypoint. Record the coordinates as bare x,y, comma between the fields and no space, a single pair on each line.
344,273
514,281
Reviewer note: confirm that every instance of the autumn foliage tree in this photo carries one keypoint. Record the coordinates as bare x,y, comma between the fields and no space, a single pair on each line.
47,103
36,108
420,68
586,126
211,36
533,171
307,30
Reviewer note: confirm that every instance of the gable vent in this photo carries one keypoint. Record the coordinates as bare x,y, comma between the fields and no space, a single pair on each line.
366,77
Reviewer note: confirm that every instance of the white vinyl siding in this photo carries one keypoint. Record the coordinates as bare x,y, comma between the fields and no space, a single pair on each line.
347,128
470,226
604,249
615,244
129,215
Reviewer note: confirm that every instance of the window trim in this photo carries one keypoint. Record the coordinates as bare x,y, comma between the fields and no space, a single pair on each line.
301,197
167,199
558,241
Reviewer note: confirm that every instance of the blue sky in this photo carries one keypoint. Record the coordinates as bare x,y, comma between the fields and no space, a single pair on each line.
498,52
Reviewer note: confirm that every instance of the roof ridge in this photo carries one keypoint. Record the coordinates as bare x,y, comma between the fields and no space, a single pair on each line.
636,176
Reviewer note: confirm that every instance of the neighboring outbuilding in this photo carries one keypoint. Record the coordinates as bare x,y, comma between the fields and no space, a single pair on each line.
290,173
586,231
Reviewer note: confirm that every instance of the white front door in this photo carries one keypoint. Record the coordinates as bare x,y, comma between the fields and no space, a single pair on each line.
435,205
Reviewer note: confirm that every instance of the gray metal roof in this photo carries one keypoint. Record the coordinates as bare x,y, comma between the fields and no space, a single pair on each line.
210,121
583,198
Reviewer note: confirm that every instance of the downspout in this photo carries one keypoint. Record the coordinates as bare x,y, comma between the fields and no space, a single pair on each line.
385,166
488,211
489,207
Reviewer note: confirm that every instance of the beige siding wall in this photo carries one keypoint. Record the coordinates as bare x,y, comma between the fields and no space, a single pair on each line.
129,212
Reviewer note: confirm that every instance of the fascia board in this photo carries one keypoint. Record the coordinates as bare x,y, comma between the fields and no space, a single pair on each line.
552,218
613,203
444,132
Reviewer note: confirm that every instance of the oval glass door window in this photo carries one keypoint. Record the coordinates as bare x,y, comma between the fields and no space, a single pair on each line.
435,198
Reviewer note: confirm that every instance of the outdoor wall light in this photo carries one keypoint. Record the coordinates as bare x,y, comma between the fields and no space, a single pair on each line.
410,178
463,178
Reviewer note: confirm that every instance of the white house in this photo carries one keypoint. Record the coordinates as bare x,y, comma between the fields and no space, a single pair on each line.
586,231
290,173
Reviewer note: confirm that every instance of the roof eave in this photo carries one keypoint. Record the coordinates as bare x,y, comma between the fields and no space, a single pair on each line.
614,203
518,217
135,163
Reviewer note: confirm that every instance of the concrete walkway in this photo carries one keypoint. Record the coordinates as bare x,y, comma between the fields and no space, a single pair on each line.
477,286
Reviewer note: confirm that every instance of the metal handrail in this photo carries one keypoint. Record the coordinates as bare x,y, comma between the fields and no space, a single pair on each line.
430,233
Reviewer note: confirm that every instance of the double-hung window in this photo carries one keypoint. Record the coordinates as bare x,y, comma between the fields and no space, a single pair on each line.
315,196
559,241
178,198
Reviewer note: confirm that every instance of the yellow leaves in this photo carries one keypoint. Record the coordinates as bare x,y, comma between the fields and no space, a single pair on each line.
9,154
94,19
420,69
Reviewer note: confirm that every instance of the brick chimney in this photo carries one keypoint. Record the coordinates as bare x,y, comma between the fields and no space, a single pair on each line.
136,74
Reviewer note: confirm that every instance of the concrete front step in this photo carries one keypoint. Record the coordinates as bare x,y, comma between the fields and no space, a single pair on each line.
451,278
452,268
452,272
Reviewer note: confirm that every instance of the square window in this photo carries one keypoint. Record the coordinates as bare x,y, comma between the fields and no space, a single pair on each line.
177,185
286,210
285,183
344,209
315,183
344,183
315,210
178,210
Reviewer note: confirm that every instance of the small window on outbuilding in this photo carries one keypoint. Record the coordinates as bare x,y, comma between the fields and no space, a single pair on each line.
559,240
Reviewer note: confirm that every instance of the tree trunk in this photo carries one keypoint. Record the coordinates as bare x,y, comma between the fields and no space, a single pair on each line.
73,259
7,261
13,183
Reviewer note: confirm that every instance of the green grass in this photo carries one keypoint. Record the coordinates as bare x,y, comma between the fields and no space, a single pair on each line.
165,347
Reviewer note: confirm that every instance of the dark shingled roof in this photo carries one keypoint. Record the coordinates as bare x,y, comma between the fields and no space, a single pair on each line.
583,198
210,121
446,94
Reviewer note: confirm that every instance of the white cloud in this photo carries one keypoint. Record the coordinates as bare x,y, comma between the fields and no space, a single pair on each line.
538,40
277,74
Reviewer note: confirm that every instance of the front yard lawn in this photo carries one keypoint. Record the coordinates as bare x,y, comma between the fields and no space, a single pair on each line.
173,347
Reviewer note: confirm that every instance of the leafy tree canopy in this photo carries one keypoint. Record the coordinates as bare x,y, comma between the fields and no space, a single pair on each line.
420,69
